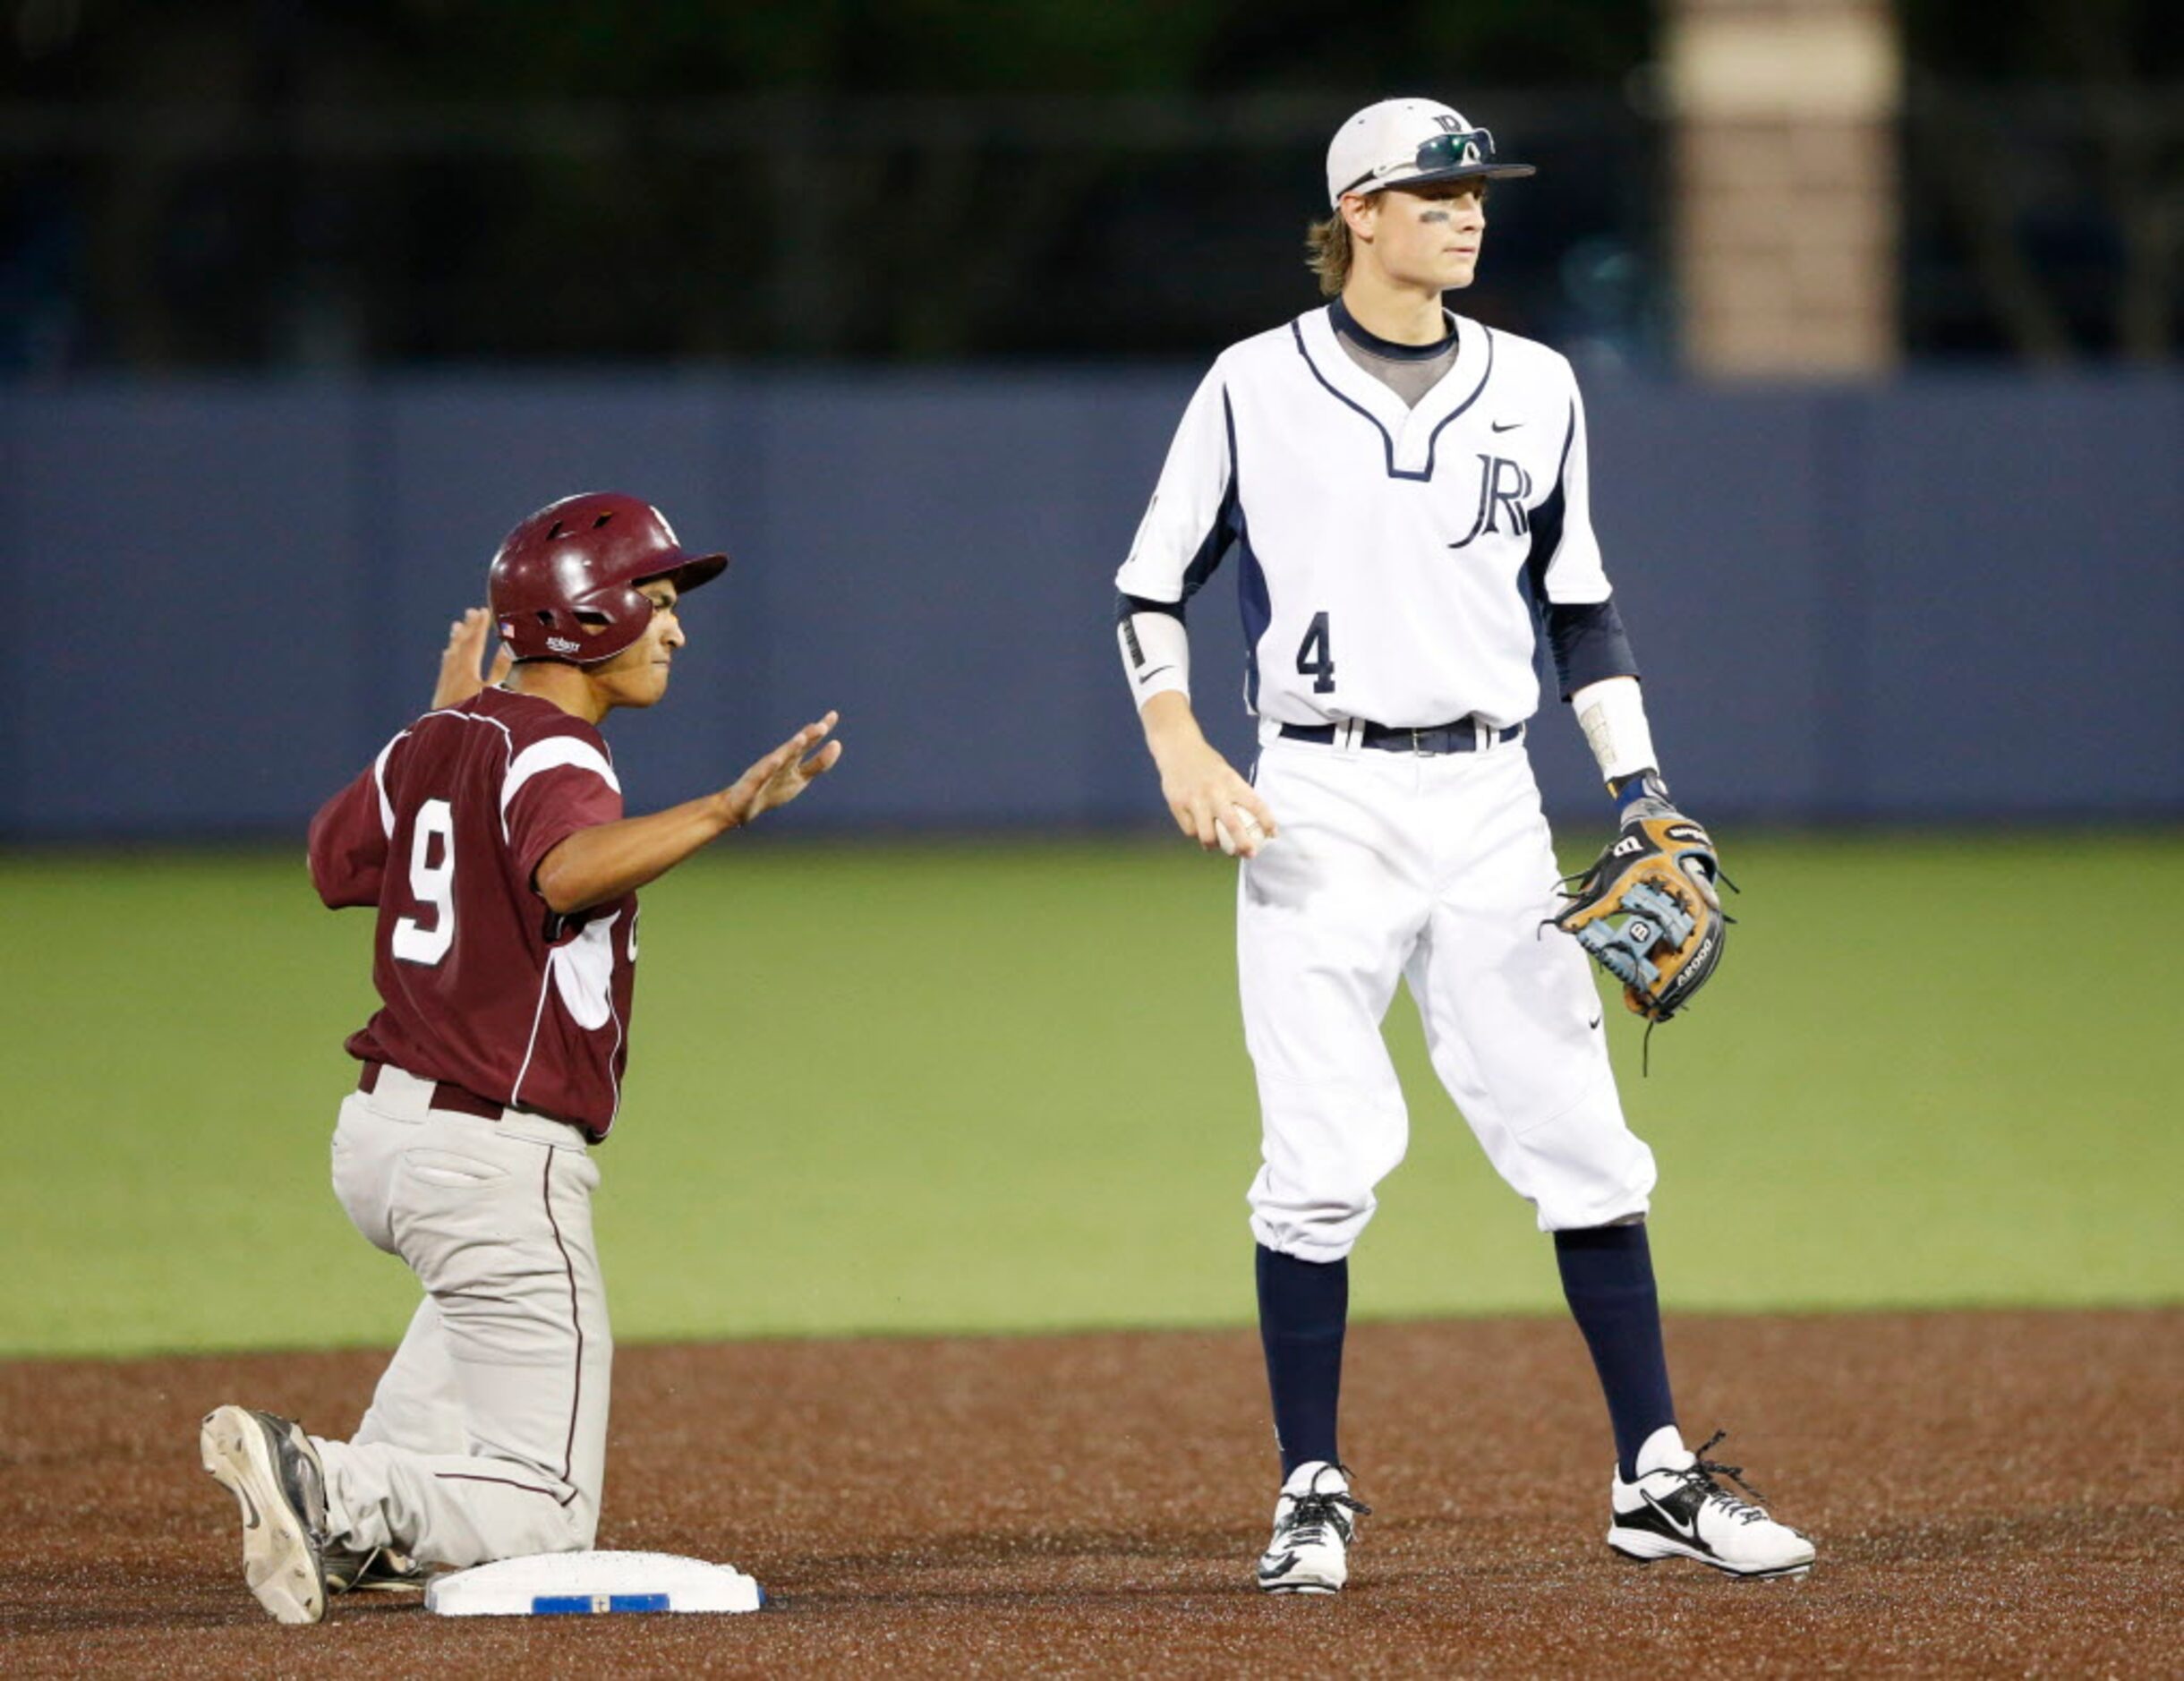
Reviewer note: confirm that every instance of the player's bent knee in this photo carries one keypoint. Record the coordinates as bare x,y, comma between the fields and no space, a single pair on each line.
582,1518
1583,1167
570,1529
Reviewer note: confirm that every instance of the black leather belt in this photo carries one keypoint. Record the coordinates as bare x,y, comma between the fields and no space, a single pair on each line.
1463,736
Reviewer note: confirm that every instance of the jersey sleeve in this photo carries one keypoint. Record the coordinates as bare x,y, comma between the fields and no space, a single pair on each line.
1584,630
348,837
551,788
1189,523
1569,566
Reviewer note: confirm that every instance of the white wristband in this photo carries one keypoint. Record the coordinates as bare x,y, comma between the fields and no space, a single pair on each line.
1612,714
1156,655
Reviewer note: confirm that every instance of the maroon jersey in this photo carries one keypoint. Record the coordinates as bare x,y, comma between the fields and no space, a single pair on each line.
481,984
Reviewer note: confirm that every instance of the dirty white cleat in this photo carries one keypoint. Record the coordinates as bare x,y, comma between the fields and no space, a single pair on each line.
1310,1550
1676,1509
270,1467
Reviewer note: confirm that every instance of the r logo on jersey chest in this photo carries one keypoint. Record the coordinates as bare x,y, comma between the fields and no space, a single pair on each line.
1503,487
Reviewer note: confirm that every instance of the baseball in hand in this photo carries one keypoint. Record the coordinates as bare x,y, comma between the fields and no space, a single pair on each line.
1246,828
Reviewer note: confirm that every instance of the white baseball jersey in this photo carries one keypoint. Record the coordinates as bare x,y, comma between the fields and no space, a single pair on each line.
1390,555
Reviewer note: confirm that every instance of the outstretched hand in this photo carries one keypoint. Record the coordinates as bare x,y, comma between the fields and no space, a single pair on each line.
459,662
785,772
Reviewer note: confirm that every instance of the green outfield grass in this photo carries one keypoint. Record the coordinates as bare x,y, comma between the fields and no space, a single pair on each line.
1003,1088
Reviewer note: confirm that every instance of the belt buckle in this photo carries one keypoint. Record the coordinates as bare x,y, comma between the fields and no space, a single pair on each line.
1419,746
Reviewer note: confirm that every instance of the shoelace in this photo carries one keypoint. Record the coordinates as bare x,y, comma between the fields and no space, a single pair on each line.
1312,1513
363,1564
1701,1476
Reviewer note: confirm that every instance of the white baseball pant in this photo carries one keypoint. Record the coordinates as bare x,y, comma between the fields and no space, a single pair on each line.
1438,869
487,1435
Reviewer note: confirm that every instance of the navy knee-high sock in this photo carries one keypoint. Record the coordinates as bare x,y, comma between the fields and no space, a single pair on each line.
1608,1278
1302,1307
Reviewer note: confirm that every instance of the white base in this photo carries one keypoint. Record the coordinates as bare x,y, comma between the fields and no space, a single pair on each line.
590,1584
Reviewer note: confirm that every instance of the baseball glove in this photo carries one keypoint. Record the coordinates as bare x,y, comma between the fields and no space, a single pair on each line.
1647,911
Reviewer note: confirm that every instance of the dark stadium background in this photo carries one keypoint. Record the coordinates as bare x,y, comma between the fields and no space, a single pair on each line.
305,304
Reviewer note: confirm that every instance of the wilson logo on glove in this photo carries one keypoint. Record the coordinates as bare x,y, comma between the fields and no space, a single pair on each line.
1647,911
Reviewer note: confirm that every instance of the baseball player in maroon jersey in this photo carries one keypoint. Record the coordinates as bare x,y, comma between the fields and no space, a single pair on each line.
488,838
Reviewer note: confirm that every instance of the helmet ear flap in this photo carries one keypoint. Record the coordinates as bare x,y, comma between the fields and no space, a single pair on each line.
558,636
610,620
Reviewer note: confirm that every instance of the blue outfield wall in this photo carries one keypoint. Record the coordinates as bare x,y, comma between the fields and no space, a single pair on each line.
1939,599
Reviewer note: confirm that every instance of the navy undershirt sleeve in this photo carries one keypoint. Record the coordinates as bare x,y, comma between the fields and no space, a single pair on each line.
1586,638
1125,605
1588,642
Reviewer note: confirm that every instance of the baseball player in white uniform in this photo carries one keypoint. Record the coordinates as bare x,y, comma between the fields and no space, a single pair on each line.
1405,489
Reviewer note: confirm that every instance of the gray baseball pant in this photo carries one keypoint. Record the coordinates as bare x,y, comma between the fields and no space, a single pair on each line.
487,1435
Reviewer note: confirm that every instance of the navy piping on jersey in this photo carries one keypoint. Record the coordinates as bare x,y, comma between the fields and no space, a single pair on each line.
1207,560
1348,326
1546,519
1387,443
1228,521
1586,638
1252,597
1228,517
1256,605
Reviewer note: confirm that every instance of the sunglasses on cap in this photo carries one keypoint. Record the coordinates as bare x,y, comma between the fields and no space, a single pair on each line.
1460,151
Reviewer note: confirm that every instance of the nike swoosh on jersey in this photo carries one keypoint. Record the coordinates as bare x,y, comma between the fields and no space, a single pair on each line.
1506,426
1147,676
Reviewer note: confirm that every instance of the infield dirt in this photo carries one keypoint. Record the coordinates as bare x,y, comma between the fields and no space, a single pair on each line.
1992,1493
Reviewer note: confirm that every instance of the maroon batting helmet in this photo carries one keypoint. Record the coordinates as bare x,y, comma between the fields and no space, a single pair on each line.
564,584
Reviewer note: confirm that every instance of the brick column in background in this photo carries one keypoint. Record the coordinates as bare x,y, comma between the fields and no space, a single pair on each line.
1785,192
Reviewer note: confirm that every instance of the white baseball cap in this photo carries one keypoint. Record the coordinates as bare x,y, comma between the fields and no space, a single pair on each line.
1399,141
